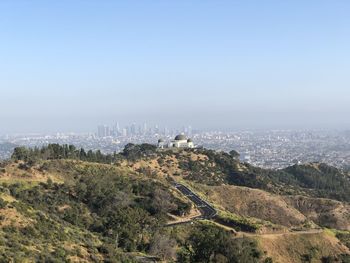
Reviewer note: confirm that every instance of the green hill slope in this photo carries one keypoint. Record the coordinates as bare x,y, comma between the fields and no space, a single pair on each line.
62,204
74,211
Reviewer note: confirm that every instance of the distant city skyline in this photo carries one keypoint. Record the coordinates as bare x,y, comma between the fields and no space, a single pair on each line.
269,149
224,65
92,128
140,129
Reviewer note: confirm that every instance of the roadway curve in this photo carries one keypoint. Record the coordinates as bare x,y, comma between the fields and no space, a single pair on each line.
207,211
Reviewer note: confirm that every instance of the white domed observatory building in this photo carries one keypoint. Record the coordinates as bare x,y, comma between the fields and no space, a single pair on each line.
180,141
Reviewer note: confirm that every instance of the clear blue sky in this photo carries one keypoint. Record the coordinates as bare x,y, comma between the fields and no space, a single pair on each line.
70,65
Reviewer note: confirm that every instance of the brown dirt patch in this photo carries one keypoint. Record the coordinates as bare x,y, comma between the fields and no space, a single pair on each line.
249,202
324,212
291,248
10,216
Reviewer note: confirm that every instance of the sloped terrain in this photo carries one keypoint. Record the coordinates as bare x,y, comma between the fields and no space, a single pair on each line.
249,202
303,248
288,211
217,168
324,212
83,214
62,204
74,211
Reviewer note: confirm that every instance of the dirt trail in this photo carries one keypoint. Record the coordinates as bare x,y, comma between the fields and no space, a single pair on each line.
195,213
272,235
188,193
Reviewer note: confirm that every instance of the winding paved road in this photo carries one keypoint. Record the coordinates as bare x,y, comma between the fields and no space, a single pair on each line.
206,209
209,212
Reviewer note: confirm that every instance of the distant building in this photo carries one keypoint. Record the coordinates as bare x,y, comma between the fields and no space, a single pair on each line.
180,141
245,158
103,131
116,129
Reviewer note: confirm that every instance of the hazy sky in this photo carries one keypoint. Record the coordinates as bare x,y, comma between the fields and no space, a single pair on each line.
71,65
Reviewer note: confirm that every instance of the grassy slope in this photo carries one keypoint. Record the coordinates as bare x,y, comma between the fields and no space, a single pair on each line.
37,233
249,202
324,212
241,201
293,248
23,229
44,230
245,202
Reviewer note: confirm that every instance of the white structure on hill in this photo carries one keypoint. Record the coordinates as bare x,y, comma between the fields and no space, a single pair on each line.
180,141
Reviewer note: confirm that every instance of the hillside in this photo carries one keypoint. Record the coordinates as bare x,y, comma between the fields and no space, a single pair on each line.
324,212
218,168
319,247
62,204
74,211
80,205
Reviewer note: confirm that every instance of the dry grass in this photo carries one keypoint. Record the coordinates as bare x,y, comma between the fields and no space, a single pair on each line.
14,174
10,216
198,157
255,203
63,208
83,254
169,167
291,248
325,212
8,198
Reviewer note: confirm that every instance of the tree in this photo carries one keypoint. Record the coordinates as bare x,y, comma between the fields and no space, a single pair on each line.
20,153
212,244
82,154
163,247
234,154
162,202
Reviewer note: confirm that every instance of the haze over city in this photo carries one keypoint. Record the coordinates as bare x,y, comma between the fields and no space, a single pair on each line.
184,131
70,66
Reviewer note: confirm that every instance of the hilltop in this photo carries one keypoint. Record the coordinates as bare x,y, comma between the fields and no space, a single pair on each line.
60,203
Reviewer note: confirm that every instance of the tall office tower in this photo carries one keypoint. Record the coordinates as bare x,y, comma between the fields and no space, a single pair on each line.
116,129
140,130
107,131
101,131
124,132
133,129
156,129
145,128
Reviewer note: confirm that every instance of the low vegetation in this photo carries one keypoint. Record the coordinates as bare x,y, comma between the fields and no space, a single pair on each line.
59,203
237,223
208,243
